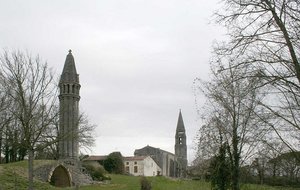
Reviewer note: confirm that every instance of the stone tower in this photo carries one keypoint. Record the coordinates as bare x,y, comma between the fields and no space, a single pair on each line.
68,110
180,148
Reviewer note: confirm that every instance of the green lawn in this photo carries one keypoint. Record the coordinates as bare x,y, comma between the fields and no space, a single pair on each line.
120,182
14,176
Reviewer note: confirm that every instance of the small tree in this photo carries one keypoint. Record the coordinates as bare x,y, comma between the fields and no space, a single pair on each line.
145,184
114,163
232,107
220,170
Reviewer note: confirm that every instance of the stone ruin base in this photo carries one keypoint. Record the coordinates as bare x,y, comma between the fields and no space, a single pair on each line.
63,173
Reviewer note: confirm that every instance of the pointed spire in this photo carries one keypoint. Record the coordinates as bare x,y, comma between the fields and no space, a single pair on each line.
180,124
69,73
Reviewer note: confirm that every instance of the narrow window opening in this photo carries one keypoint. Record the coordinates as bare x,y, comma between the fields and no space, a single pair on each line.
180,140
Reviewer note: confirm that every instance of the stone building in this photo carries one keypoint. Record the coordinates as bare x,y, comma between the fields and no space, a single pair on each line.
68,110
165,160
141,166
67,171
180,148
172,165
149,161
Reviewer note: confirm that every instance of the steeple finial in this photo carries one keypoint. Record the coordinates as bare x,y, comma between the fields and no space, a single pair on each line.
180,124
69,73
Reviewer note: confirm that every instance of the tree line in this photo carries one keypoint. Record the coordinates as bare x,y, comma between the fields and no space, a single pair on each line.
252,96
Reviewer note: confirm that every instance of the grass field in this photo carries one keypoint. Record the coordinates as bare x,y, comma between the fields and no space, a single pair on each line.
14,177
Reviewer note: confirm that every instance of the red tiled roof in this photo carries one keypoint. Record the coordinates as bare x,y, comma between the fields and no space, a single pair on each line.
132,158
96,158
103,157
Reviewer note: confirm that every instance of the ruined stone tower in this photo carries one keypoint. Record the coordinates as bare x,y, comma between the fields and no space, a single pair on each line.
180,148
68,110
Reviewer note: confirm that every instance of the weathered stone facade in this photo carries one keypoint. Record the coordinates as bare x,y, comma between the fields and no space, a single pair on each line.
180,147
67,171
165,160
141,166
68,110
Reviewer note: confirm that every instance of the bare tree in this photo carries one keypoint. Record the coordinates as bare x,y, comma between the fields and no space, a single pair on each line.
86,138
5,118
264,36
86,133
208,141
233,103
30,85
266,32
265,162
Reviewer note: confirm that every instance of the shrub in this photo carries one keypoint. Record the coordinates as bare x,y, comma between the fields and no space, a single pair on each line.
145,184
96,171
114,163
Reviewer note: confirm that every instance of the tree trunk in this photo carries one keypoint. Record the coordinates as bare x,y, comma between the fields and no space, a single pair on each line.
6,151
236,161
235,174
274,170
30,169
0,147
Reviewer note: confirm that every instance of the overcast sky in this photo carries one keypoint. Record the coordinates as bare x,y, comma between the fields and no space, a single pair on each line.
136,59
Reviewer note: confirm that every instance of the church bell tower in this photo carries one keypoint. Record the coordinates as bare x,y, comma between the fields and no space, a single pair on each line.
68,110
180,148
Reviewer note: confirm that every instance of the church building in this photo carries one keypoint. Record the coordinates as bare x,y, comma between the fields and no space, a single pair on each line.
150,161
172,165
